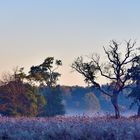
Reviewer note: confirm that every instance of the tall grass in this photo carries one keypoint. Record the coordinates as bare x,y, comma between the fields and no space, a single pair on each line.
70,128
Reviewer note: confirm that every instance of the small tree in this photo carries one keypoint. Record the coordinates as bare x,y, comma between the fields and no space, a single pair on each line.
115,70
47,76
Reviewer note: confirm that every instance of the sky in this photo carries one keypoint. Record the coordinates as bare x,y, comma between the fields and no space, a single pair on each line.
31,30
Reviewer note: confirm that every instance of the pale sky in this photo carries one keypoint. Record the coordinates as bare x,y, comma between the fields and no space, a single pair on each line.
31,30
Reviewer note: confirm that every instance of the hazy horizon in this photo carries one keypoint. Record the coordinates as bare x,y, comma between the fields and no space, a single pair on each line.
32,30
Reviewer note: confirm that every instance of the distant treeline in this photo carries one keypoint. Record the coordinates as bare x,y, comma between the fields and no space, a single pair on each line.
22,99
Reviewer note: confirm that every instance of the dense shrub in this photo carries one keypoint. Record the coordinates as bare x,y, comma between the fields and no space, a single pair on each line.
20,99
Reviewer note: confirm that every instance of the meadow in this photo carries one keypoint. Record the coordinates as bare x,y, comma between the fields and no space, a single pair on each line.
70,128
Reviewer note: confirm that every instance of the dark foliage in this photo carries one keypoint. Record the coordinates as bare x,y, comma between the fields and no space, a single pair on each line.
134,74
54,104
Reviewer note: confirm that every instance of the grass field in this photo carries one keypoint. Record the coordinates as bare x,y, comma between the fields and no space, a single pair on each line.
69,128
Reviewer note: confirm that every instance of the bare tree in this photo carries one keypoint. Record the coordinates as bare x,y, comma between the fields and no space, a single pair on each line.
115,69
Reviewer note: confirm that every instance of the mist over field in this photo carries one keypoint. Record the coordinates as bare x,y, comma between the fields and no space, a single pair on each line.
97,113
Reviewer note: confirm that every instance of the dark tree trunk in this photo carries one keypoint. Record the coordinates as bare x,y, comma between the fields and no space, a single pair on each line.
114,100
138,111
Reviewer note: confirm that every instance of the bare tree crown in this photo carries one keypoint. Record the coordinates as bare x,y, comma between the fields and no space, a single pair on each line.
115,69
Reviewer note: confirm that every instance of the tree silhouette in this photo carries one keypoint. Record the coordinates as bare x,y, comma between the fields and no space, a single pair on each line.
115,70
45,73
134,74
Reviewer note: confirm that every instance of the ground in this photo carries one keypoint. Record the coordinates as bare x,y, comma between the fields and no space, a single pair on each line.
69,128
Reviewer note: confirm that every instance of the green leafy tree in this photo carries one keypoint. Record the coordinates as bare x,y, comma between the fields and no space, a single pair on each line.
45,73
47,76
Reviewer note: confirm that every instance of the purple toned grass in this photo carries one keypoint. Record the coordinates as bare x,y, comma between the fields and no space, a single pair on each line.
70,128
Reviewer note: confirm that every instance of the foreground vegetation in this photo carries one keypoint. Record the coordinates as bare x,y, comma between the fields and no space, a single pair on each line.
70,128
